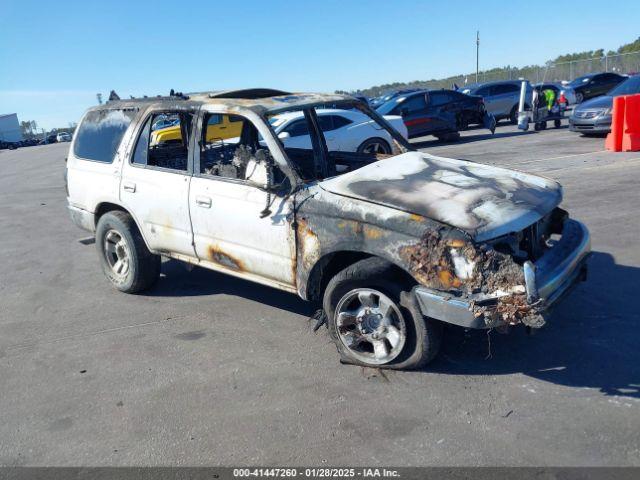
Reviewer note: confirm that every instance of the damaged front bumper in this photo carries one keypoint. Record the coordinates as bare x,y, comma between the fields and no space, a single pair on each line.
546,281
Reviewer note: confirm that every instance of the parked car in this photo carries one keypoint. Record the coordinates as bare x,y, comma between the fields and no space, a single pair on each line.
9,145
376,102
441,113
594,116
63,137
595,84
501,99
219,127
29,142
392,247
344,130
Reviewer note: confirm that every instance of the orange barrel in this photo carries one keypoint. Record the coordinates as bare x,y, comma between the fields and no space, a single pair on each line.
631,131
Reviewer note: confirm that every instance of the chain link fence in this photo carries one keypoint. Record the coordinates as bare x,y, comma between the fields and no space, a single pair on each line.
624,63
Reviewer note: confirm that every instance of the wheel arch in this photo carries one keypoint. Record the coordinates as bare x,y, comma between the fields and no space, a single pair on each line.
106,207
331,263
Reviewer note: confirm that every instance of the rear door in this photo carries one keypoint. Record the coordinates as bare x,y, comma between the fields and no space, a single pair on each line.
505,96
155,184
415,116
441,108
491,103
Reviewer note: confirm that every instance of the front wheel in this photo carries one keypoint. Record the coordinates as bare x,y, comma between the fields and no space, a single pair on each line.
376,323
375,146
124,257
579,97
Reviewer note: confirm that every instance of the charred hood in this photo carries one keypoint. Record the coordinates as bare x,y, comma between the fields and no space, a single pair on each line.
483,200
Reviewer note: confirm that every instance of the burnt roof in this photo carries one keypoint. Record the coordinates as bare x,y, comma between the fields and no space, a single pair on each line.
258,99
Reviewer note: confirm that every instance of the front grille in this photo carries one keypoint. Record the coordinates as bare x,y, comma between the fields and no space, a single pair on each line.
588,113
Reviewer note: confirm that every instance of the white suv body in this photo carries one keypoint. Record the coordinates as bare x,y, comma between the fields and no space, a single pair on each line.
390,246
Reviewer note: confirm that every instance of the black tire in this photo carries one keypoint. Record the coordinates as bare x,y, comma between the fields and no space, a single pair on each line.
379,144
513,115
423,336
579,97
142,267
462,123
557,123
448,137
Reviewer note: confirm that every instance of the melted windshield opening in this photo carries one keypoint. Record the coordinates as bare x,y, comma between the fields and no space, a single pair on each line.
322,141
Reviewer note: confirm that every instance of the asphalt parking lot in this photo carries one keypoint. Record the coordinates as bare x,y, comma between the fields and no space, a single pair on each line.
210,370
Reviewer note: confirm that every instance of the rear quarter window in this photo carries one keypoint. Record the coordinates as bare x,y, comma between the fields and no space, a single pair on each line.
100,134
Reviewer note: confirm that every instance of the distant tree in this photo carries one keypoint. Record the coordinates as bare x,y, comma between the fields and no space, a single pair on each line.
630,47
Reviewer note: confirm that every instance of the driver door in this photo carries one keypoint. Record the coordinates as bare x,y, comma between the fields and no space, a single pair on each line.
234,229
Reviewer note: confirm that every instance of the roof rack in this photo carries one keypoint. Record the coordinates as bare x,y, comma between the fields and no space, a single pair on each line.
248,93
173,95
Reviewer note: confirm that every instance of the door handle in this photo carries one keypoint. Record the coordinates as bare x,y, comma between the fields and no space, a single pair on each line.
204,202
129,187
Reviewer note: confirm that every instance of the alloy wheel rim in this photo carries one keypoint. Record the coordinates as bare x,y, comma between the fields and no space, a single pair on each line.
117,253
370,326
375,147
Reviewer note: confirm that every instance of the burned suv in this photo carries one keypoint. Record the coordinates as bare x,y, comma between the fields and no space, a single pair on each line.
390,246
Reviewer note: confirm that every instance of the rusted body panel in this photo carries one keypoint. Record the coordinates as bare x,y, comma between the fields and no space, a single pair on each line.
327,223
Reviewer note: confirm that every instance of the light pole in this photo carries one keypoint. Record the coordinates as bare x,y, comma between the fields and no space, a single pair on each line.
477,54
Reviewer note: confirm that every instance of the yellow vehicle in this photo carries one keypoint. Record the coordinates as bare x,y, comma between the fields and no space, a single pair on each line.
219,127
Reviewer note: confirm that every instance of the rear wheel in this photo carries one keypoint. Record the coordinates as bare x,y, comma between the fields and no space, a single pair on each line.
375,321
374,146
513,115
124,256
462,123
448,137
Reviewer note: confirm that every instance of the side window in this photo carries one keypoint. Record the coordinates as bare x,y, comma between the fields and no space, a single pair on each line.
505,89
297,128
164,141
233,148
100,133
437,99
483,92
340,121
325,122
140,154
414,104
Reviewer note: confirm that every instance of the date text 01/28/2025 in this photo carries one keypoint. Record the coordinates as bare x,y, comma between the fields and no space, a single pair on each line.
315,472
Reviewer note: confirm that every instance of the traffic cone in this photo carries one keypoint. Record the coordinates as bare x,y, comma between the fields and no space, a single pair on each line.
613,142
631,131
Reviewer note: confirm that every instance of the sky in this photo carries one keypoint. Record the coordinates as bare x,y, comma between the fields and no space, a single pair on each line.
55,57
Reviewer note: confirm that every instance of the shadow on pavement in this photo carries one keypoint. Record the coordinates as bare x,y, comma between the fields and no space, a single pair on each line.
177,281
468,139
591,340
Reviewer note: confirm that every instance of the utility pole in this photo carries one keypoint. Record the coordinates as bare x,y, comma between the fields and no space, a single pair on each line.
477,54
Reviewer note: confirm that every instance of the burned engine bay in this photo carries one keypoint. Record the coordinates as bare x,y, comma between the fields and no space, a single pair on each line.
491,274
